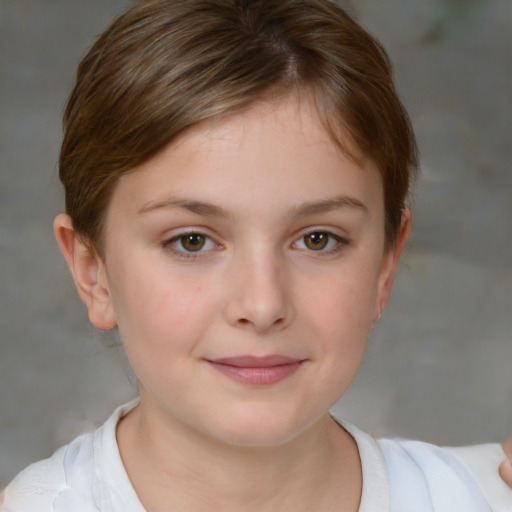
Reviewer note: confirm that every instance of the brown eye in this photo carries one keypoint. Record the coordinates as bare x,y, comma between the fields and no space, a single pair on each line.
192,242
316,241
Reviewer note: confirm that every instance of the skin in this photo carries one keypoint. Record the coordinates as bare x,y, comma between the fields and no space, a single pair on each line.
257,188
505,469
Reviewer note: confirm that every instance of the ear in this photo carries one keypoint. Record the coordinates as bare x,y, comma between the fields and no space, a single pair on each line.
88,271
389,263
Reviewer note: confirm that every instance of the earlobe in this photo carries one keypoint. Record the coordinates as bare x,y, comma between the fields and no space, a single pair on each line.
389,263
88,271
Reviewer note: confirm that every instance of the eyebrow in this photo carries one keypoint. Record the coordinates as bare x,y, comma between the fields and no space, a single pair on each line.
327,205
197,207
208,209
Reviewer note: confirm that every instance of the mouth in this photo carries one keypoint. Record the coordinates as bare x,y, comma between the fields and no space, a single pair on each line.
257,371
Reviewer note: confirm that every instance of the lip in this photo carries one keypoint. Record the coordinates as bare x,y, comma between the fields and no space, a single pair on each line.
257,371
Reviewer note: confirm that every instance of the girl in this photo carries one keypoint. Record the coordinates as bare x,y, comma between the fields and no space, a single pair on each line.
236,175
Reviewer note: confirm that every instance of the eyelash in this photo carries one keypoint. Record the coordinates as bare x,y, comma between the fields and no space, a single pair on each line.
339,244
183,253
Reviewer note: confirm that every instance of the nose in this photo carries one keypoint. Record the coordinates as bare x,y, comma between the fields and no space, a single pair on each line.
260,298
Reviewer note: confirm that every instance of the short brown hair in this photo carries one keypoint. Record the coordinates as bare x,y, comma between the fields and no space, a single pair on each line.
167,65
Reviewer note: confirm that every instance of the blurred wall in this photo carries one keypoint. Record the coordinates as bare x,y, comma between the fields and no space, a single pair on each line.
439,362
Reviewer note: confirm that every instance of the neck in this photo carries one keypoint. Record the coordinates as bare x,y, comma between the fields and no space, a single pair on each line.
174,468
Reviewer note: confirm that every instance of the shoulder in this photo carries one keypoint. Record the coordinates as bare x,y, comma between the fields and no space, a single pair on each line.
67,478
64,482
72,480
36,487
481,462
445,477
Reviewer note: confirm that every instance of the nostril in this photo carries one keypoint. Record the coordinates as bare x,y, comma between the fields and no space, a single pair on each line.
245,321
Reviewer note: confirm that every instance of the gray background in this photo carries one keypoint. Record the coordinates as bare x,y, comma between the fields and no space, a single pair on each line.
439,365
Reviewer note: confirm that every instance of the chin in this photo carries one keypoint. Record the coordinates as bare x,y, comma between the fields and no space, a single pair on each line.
261,429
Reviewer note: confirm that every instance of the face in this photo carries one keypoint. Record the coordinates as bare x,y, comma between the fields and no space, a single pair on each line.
245,267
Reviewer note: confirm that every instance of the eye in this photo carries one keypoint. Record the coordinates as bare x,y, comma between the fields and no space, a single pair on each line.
191,243
320,241
316,241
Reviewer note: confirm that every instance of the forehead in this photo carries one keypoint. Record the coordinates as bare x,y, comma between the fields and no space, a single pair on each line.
278,151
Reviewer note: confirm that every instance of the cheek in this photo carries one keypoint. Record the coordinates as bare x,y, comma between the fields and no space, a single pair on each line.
340,313
343,319
161,327
164,312
343,305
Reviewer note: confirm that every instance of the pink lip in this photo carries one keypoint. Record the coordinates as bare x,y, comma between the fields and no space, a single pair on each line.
257,371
